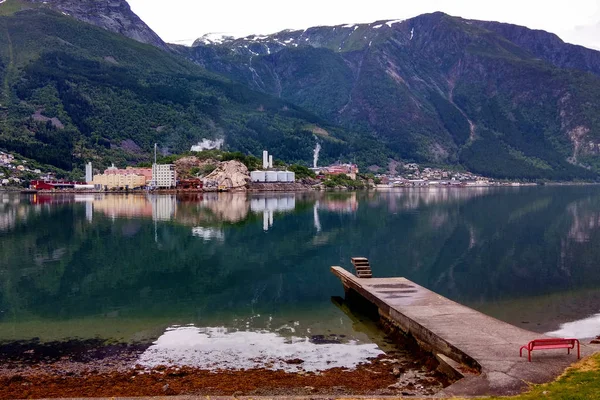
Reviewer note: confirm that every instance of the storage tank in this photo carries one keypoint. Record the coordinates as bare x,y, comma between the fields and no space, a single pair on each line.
257,176
83,187
290,176
271,176
281,176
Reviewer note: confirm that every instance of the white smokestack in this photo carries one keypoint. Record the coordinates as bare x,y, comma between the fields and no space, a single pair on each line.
270,161
88,173
265,159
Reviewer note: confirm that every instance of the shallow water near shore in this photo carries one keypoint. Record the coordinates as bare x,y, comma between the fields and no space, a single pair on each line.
194,276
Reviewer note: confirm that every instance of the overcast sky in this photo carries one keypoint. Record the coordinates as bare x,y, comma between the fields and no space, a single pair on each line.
575,21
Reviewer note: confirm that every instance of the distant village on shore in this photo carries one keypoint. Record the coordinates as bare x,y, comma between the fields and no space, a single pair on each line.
192,173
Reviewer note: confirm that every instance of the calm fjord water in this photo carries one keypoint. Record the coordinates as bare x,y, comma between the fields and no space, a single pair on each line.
128,267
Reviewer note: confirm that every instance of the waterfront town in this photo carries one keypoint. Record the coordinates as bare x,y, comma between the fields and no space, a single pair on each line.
193,173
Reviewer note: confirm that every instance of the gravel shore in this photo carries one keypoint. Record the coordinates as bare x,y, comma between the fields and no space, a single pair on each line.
93,368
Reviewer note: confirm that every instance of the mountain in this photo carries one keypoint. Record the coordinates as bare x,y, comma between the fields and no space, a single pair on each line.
547,46
88,80
499,99
73,92
112,15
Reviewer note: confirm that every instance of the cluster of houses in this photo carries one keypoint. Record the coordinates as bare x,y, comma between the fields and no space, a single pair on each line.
15,169
6,159
413,175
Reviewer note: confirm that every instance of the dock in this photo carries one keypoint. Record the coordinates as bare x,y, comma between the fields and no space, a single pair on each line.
481,349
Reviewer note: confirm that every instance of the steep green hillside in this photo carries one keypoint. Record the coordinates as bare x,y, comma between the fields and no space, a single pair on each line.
72,92
434,88
497,99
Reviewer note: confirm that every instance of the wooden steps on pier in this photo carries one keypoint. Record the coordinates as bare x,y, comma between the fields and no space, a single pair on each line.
362,267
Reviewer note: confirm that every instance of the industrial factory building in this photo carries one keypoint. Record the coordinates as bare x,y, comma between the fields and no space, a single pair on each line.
269,175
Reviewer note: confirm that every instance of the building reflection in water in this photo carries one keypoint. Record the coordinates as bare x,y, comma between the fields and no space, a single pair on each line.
205,213
339,202
164,207
124,206
270,204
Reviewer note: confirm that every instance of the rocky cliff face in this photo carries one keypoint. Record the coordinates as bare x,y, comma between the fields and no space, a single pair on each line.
229,174
112,15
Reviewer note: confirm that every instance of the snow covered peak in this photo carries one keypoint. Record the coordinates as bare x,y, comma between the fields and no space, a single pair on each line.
215,38
339,38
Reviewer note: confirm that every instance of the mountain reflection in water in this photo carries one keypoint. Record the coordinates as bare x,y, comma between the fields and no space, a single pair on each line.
211,258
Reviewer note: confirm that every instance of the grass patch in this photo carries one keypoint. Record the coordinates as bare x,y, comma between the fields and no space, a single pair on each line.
9,7
579,382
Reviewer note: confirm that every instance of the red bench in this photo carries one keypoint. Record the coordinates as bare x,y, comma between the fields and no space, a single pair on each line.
547,344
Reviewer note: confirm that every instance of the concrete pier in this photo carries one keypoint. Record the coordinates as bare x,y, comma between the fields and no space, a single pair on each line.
487,346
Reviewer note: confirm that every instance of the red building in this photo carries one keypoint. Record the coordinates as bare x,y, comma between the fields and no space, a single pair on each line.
189,184
347,169
53,185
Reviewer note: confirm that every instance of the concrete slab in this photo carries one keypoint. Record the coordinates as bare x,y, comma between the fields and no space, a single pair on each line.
464,335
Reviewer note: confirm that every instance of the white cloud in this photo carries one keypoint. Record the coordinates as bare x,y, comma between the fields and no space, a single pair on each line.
176,20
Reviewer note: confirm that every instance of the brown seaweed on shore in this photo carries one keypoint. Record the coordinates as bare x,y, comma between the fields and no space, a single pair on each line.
374,378
95,368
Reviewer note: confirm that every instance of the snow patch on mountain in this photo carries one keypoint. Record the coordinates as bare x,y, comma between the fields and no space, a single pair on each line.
396,21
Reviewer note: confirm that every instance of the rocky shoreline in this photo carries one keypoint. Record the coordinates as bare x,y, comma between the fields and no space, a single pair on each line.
94,368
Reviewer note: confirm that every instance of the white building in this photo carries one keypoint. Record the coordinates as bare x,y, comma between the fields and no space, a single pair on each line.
89,175
164,176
